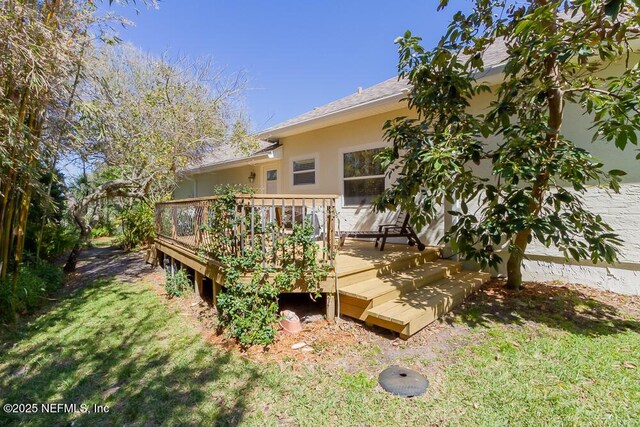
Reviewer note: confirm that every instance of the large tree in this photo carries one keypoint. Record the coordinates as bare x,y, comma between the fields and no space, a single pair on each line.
141,119
554,52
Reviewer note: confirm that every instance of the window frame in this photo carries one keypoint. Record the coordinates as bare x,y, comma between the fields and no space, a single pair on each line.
343,179
315,170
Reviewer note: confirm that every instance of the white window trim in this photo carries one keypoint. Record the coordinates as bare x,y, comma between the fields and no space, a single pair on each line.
316,170
342,179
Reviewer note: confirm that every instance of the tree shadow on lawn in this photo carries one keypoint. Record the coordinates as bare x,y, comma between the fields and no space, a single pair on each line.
556,306
101,262
116,344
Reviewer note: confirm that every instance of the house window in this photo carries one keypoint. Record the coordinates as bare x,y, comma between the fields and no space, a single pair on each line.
363,177
304,172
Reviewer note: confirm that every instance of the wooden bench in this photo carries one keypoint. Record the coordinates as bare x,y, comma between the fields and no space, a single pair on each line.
400,228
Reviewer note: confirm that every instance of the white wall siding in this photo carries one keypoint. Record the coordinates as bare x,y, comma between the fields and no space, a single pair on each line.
607,278
622,213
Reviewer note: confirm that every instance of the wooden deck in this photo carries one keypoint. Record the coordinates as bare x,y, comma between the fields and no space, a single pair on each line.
411,311
400,288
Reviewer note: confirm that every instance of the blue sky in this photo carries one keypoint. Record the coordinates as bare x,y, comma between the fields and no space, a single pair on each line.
297,54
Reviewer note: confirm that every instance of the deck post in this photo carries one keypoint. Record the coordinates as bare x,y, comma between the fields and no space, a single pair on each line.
158,257
197,284
216,289
331,306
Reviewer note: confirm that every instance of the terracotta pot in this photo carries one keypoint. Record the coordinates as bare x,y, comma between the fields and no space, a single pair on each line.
290,322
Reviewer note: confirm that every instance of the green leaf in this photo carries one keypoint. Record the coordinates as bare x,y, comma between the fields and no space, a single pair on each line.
564,197
454,245
475,157
609,236
575,254
522,25
617,172
612,8
621,141
484,129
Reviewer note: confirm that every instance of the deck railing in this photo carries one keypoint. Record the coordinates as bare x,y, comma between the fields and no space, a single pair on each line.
254,222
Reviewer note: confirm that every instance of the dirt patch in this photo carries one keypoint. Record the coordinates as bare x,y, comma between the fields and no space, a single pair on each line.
100,262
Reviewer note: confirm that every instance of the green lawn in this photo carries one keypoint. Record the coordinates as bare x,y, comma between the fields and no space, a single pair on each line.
118,344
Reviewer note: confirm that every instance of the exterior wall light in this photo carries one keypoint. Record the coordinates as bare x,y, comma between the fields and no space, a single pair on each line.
252,177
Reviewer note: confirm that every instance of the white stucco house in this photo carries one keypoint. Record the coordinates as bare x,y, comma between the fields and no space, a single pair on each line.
330,150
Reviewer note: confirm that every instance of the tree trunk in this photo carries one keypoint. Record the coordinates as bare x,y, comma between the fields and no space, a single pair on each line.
555,100
7,210
21,231
6,240
85,232
72,260
514,265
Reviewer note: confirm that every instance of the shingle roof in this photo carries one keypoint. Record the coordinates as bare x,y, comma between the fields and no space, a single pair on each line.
385,89
493,56
228,154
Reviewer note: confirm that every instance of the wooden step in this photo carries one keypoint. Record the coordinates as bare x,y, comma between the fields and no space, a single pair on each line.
357,298
353,270
412,311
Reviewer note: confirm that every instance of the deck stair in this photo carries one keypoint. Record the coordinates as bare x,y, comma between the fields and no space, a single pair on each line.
406,296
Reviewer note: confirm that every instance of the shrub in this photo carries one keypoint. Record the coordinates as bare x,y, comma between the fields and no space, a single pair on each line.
101,231
178,284
57,239
35,281
5,300
137,225
51,274
232,189
250,311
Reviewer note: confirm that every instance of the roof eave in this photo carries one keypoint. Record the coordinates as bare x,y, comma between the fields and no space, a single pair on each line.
247,161
380,105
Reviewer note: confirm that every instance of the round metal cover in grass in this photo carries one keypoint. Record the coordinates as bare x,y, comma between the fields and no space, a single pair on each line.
402,381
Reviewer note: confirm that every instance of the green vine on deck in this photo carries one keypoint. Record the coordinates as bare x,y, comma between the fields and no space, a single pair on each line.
254,278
